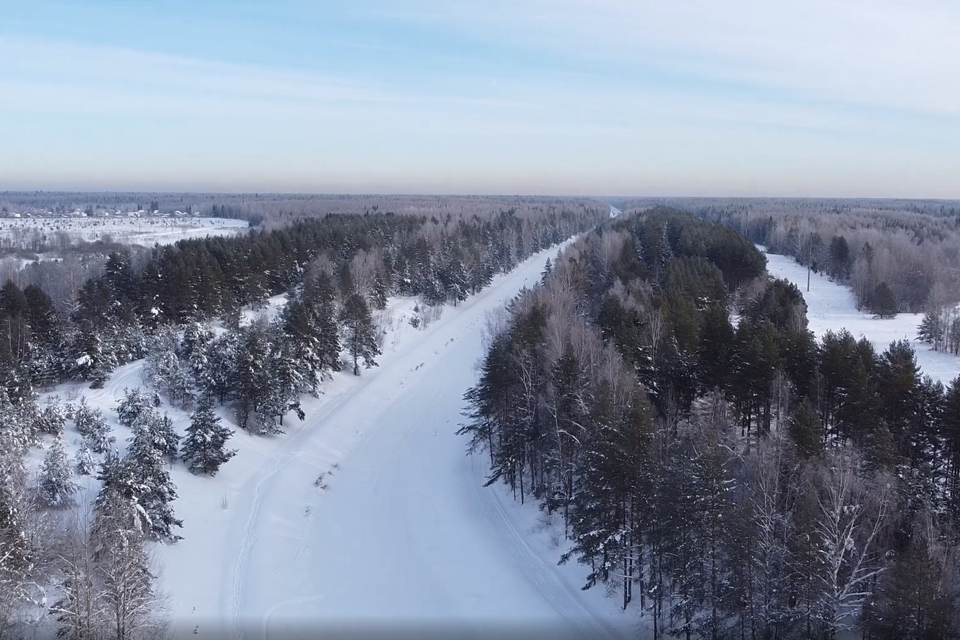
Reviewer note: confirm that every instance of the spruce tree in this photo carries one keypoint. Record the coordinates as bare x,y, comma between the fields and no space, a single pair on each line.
882,301
84,462
203,448
154,490
322,296
805,430
56,486
51,420
361,335
93,427
134,405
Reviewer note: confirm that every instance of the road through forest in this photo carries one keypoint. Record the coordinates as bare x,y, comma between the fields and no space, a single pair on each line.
372,518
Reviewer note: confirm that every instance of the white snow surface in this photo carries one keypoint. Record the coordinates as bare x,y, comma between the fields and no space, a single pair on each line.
369,516
144,231
831,306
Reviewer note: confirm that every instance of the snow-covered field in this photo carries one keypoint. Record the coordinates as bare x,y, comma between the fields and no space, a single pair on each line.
368,515
831,306
147,230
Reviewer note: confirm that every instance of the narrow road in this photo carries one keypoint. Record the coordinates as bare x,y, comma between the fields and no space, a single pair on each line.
393,532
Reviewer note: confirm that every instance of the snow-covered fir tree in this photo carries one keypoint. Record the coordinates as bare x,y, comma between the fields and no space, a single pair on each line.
301,335
56,486
321,295
219,373
93,359
204,447
15,548
93,427
134,405
52,419
166,373
167,436
147,458
85,463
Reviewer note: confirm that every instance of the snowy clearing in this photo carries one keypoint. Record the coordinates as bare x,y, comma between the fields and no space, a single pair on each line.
831,306
33,233
368,515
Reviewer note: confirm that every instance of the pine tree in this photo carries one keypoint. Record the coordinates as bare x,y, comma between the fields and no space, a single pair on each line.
360,333
153,488
134,406
301,337
56,486
167,437
51,420
221,356
931,329
204,449
882,301
547,270
15,553
805,430
320,294
93,427
85,464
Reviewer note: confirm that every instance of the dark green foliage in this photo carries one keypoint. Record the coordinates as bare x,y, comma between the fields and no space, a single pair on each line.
778,529
881,302
715,348
806,430
840,259
360,334
204,448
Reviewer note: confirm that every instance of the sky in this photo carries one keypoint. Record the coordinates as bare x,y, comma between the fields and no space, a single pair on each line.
850,98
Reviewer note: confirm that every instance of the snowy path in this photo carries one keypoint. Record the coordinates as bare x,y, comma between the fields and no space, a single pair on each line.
831,306
400,535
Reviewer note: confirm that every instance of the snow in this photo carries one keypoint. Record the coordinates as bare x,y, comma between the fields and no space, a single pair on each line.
20,232
369,514
831,306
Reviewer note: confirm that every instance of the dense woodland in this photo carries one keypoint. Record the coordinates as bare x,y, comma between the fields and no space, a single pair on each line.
336,271
895,253
715,466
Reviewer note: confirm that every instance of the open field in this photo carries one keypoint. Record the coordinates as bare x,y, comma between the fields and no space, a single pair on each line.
832,307
57,233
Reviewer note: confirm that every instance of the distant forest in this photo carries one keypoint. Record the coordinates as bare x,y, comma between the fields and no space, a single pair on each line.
727,477
911,246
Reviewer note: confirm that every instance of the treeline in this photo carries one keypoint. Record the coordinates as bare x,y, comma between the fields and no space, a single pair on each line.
910,248
108,320
727,479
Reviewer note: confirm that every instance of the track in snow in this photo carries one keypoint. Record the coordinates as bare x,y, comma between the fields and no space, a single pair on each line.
402,537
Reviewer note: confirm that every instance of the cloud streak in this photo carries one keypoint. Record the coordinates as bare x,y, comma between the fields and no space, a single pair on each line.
537,96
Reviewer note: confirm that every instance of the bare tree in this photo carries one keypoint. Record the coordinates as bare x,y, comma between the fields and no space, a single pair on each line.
852,515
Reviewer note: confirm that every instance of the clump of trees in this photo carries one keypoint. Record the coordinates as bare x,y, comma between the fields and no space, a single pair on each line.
725,479
909,245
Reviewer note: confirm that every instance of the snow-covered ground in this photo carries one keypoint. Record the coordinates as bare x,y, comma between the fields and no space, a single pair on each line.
368,515
20,232
831,306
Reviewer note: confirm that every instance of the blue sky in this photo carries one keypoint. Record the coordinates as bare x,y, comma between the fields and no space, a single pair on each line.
628,97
